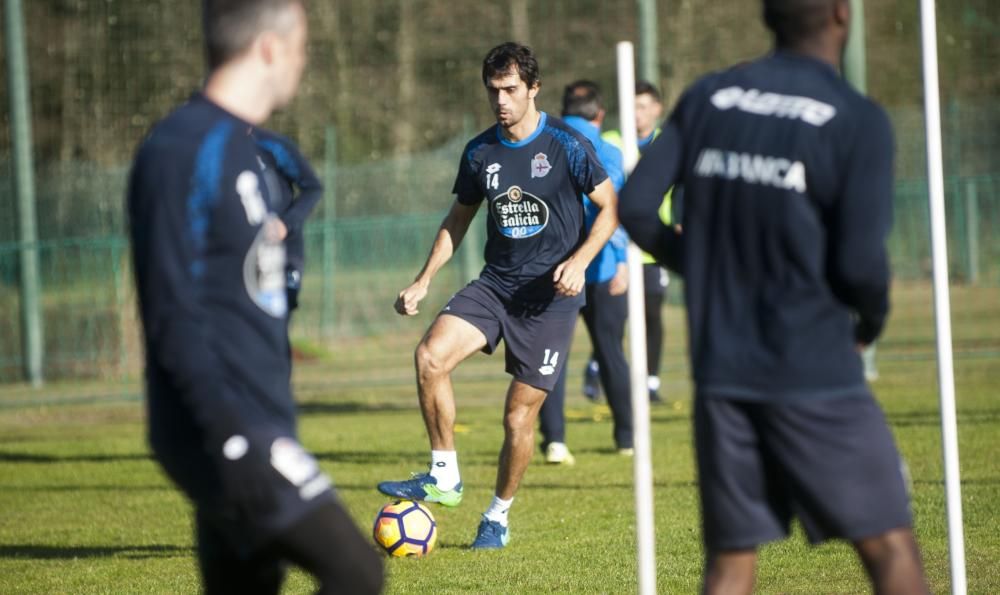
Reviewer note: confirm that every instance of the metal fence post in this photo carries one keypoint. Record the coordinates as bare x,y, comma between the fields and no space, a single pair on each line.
24,188
855,70
327,312
972,229
649,64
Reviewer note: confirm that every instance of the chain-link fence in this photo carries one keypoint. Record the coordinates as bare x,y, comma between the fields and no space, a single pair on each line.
391,94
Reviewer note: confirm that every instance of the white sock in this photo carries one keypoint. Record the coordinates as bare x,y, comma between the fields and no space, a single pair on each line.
594,366
498,510
444,468
653,383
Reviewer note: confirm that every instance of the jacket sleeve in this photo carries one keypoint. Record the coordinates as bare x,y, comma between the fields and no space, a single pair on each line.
861,218
295,169
640,200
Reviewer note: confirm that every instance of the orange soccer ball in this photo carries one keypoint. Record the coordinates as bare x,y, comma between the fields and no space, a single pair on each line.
405,528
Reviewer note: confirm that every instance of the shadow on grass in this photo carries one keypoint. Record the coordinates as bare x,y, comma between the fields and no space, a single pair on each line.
331,407
981,481
623,485
52,552
87,488
932,417
28,457
417,458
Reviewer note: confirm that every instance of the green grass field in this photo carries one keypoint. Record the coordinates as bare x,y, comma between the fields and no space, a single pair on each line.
83,509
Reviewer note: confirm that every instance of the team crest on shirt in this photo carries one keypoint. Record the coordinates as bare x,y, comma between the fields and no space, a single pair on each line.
540,166
519,214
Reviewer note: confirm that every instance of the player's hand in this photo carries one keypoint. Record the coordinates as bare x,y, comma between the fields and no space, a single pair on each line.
409,298
570,277
619,283
276,230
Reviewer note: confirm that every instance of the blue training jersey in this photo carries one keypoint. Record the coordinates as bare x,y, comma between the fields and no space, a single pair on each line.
789,182
535,216
210,281
605,265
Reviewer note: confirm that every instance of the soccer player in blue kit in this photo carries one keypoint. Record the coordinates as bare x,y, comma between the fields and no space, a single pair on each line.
531,169
789,182
210,272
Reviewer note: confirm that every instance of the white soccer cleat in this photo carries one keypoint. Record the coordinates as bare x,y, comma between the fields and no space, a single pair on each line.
557,453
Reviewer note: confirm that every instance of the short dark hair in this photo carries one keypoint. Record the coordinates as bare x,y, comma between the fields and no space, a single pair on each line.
582,98
509,57
647,88
232,25
792,21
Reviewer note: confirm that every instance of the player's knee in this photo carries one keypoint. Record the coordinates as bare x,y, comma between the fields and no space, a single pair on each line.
888,548
519,421
429,363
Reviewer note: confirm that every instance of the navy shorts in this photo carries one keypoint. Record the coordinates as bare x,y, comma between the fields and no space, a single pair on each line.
831,463
297,484
537,338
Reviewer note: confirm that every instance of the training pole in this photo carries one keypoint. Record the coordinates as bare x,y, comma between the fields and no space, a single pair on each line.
942,305
643,461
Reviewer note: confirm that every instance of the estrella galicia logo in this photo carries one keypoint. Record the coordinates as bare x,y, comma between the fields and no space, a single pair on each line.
519,214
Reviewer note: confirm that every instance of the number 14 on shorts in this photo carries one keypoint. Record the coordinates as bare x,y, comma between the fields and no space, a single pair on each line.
549,362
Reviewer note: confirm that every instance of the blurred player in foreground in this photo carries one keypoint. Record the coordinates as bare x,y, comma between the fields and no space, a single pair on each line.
607,305
789,180
531,169
210,270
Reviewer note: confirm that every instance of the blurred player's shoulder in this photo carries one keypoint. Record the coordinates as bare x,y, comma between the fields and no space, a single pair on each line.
189,126
264,135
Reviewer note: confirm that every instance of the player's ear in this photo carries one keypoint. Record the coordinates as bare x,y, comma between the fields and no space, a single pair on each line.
266,47
842,13
533,90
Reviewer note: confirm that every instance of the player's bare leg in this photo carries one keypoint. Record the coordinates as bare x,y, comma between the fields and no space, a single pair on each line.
448,342
520,413
892,560
730,572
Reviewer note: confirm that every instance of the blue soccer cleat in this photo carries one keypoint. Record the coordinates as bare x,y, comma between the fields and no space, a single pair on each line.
491,535
422,487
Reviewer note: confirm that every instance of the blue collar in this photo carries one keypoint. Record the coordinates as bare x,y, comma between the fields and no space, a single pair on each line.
531,137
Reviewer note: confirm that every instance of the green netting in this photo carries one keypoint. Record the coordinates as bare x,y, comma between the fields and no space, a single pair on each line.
391,95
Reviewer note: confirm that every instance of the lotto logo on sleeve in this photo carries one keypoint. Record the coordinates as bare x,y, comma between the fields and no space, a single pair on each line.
518,214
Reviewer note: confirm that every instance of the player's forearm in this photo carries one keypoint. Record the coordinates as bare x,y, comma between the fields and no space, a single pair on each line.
449,237
310,193
862,283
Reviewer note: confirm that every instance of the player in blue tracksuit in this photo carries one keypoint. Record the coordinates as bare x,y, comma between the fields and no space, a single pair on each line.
607,305
209,261
789,182
291,179
531,170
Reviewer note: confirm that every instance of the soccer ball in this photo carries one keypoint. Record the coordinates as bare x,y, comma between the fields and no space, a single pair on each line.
405,528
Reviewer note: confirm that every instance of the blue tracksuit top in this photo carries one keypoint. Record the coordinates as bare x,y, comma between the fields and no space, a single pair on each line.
605,264
788,174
